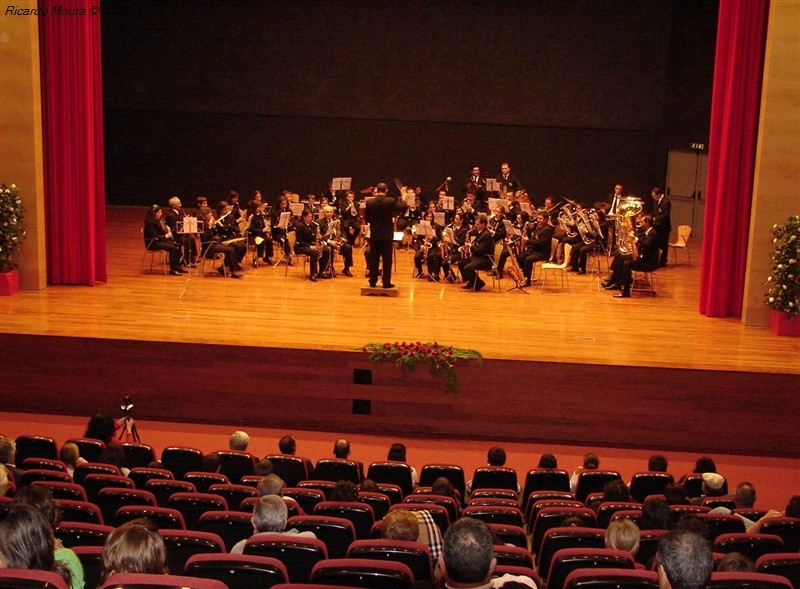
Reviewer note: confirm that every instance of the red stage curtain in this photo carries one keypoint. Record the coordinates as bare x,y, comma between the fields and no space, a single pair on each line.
731,160
72,117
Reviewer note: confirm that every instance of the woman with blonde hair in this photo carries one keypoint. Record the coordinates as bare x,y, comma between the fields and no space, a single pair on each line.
134,547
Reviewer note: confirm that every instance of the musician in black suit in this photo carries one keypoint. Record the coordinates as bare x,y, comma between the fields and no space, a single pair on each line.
349,213
333,238
227,228
623,265
508,178
158,236
306,245
379,214
211,242
175,214
537,247
661,223
480,255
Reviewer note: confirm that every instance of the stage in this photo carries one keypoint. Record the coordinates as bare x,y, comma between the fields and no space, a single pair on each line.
276,350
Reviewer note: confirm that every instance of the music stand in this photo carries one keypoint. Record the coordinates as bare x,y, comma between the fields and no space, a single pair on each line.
341,184
191,226
492,185
425,229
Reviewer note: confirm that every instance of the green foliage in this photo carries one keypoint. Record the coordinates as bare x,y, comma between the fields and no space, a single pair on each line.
11,232
784,282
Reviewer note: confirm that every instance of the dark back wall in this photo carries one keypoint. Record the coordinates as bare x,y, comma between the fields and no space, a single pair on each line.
205,97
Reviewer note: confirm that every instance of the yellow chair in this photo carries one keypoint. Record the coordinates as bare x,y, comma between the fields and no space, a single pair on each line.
684,232
562,267
292,239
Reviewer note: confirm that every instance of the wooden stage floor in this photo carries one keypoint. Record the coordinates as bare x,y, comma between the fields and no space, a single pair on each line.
275,350
269,309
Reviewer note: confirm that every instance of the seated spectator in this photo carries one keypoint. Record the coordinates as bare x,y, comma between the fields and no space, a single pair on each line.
70,456
239,441
684,561
704,464
134,547
210,462
713,485
101,427
400,524
616,491
744,498
397,453
657,463
468,557
5,484
41,499
369,486
735,562
264,467
26,542
547,461
793,507
443,486
676,494
8,454
341,451
495,457
269,517
114,454
288,445
692,523
590,462
271,484
623,534
656,514
344,491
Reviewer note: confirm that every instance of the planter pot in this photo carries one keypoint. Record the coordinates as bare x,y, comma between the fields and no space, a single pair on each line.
9,283
780,324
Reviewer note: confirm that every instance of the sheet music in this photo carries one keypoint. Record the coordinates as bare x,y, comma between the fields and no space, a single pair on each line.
438,218
449,203
493,185
525,206
187,225
297,208
425,229
411,199
341,183
283,222
511,229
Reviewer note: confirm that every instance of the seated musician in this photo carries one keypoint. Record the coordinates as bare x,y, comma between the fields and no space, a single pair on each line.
460,230
581,251
186,242
211,242
311,205
306,231
158,236
411,215
227,228
537,245
236,209
480,255
499,234
335,241
429,249
623,265
278,234
440,206
351,227
260,227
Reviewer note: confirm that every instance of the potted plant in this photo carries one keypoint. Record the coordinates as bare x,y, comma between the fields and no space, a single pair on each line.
783,296
11,236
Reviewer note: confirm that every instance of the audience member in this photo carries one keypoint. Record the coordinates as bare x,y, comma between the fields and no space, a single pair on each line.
101,427
400,524
5,484
264,467
344,491
656,514
443,486
8,454
713,484
468,557
69,454
657,463
210,462
269,518
134,547
397,453
495,457
114,454
590,462
623,534
793,507
684,561
676,494
239,441
744,498
369,486
704,464
341,451
271,484
26,542
735,562
691,523
616,491
547,461
288,445
41,499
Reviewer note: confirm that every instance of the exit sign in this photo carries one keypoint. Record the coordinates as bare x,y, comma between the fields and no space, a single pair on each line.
699,146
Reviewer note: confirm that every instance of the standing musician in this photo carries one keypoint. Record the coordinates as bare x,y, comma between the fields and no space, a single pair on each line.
259,226
282,235
514,208
622,266
537,245
211,244
661,223
380,213
335,241
480,252
467,208
429,249
158,236
349,215
174,214
307,245
508,179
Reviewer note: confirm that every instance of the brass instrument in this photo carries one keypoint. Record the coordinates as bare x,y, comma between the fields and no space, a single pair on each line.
584,227
514,271
563,218
448,239
466,249
627,209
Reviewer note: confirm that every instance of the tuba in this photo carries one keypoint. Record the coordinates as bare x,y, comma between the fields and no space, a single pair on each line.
627,209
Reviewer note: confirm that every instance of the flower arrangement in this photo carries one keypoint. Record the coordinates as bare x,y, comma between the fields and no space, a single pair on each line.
11,232
784,282
441,359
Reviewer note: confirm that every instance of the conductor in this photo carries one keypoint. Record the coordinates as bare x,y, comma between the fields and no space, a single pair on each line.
379,214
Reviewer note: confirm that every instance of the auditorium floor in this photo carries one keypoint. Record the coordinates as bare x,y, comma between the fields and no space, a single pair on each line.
268,308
